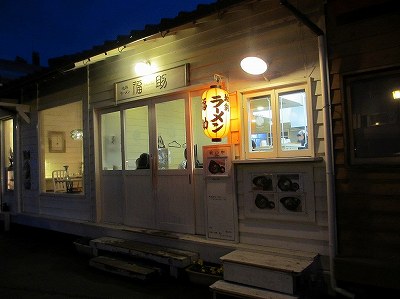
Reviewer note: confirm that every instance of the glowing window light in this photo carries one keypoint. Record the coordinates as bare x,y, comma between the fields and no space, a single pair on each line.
396,94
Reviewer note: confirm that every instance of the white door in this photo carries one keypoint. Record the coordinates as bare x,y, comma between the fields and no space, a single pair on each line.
173,185
138,175
156,180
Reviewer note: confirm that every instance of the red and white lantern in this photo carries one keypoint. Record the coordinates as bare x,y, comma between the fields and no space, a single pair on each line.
216,113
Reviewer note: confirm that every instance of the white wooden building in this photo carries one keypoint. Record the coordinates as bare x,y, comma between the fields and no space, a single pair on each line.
271,196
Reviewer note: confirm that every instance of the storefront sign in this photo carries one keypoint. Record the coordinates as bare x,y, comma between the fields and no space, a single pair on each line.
154,83
221,213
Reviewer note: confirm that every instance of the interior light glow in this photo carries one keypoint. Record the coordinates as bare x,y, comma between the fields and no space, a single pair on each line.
253,65
77,134
396,94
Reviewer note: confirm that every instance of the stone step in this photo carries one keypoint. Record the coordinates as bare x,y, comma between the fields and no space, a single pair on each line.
244,291
174,258
124,268
266,271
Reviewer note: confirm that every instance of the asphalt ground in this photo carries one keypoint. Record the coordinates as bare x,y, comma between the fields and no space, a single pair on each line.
36,263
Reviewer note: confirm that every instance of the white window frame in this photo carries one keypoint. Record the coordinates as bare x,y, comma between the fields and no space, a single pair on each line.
42,146
277,151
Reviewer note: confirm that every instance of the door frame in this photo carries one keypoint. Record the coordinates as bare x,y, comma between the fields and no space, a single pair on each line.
154,172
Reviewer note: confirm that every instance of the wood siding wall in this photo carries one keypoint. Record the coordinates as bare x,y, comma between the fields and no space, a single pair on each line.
368,205
213,45
216,46
309,235
44,95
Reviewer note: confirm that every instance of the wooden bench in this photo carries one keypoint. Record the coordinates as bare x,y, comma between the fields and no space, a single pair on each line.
174,258
242,291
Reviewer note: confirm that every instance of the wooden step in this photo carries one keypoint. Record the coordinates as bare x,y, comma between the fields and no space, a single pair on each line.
265,271
124,268
175,258
243,291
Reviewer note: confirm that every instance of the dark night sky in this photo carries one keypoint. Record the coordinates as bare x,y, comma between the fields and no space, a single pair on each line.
62,27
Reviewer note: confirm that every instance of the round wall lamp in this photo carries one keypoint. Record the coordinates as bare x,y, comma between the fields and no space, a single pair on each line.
253,65
143,68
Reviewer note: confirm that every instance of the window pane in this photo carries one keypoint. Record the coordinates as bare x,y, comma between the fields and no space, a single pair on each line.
9,151
137,138
58,147
171,131
111,141
199,138
293,120
261,124
375,115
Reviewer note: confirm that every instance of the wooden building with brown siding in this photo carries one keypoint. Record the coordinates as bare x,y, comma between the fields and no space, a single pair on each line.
363,49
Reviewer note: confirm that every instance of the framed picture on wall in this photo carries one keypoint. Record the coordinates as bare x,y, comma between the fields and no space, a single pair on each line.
56,141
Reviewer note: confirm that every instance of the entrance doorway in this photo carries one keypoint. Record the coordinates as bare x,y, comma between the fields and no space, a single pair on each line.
147,173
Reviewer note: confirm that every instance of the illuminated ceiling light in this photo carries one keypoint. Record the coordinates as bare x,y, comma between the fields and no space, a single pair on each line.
215,114
253,65
396,94
143,68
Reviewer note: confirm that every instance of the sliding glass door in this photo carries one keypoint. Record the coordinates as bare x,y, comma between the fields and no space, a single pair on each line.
156,176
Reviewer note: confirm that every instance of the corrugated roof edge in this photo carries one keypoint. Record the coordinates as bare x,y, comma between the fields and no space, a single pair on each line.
202,10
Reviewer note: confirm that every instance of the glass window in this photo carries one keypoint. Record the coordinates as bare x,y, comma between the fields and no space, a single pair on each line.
171,132
374,116
8,141
277,122
293,120
137,138
111,141
199,138
60,149
261,124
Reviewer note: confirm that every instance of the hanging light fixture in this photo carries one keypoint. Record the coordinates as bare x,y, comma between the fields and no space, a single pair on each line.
253,65
216,114
77,134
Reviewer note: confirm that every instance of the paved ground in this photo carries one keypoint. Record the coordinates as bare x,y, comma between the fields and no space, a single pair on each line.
41,264
37,263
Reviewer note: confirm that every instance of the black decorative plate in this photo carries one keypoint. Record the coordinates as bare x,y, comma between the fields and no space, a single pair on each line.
262,202
284,183
291,203
263,182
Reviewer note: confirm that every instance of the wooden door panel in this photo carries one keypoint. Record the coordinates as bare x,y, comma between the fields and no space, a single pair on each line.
139,209
175,203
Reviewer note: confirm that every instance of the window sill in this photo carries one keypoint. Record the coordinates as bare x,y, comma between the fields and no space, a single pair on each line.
279,160
63,194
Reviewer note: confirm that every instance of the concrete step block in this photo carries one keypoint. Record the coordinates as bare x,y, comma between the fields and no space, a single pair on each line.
174,258
244,291
124,268
265,271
